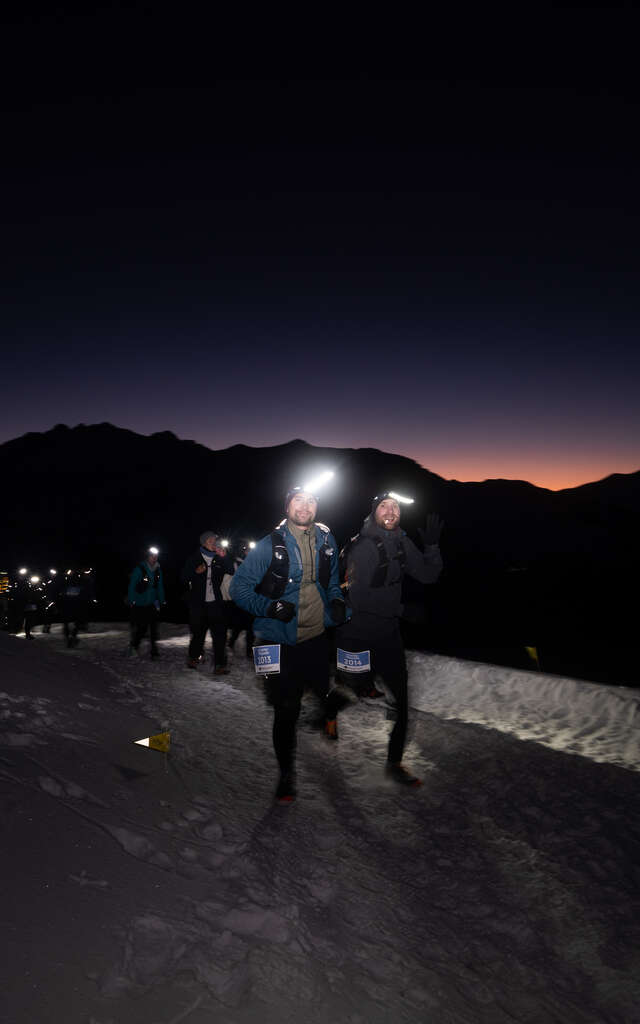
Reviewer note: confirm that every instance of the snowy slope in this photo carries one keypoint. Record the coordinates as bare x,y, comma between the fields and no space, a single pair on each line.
160,889
601,722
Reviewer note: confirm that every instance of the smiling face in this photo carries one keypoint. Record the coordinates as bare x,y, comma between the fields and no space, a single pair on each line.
388,514
302,509
211,543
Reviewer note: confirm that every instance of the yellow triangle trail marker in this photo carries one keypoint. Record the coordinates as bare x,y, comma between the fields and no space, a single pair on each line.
161,741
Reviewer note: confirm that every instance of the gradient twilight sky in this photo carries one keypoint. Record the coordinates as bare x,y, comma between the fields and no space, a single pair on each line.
444,267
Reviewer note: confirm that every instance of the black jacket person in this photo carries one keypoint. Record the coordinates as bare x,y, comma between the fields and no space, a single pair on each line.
202,575
377,561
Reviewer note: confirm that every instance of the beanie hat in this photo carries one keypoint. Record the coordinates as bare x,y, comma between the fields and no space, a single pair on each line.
291,493
204,537
376,501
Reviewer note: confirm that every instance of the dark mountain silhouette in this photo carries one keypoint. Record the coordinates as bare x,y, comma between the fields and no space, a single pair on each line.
524,565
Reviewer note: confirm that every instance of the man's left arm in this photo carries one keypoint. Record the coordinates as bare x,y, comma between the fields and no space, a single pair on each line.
423,566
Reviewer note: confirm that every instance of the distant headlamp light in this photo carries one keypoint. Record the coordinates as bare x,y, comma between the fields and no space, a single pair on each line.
224,543
34,579
22,572
252,543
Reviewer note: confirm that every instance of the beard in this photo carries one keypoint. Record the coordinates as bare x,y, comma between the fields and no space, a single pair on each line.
302,518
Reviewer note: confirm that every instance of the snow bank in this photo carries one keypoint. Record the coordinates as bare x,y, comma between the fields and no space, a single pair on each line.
596,721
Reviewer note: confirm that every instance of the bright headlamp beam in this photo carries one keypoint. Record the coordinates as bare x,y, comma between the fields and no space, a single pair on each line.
224,543
153,551
252,544
319,481
22,572
399,497
34,579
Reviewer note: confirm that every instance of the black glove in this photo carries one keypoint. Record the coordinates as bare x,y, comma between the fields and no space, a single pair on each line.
338,611
281,610
432,530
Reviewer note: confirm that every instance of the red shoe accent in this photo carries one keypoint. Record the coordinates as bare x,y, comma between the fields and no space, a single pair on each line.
331,728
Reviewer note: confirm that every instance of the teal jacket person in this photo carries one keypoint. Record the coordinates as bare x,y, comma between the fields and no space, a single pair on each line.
146,586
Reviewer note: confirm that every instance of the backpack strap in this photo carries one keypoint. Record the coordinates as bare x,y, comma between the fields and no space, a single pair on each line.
379,577
274,582
325,554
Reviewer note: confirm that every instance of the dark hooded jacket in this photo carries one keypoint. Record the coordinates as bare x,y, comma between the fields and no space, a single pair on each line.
371,602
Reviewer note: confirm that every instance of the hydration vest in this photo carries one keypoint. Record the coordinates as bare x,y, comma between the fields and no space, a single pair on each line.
148,579
379,578
274,582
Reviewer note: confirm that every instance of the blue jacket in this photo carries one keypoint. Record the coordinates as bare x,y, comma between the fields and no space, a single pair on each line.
253,569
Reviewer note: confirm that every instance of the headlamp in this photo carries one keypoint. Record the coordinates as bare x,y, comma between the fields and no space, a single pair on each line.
319,481
154,551
399,498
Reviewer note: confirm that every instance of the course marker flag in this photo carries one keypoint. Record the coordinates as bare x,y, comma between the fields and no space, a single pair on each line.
161,741
533,654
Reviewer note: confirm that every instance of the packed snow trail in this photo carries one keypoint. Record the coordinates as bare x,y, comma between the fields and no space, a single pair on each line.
504,889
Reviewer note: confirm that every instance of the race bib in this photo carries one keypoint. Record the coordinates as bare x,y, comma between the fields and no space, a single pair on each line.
351,661
266,658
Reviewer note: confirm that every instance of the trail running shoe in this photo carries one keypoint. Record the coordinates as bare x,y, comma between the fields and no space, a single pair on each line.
373,694
331,728
286,791
400,774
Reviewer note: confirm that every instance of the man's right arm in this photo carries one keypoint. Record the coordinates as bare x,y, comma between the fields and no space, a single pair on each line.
247,576
188,570
134,579
361,563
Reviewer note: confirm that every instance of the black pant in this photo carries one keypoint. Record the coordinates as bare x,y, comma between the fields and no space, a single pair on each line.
209,616
143,618
302,666
388,661
73,610
238,619
31,619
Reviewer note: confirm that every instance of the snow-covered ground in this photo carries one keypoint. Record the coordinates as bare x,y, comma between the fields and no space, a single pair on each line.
144,888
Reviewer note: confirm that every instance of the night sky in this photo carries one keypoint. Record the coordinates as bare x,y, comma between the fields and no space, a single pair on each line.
442,265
